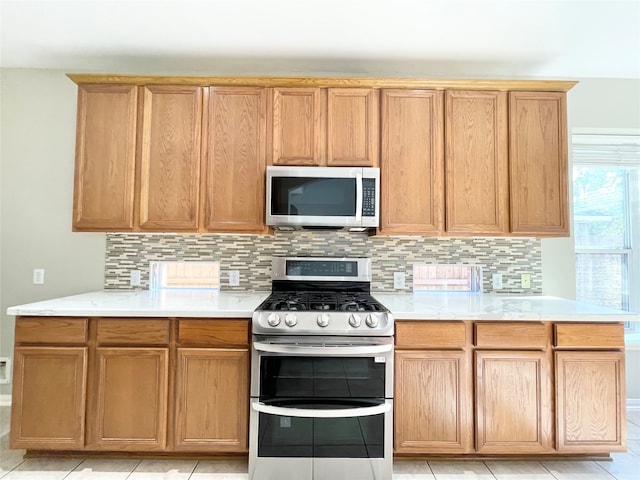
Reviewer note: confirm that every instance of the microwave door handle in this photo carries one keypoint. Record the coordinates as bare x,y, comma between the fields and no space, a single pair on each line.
358,197
312,413
322,350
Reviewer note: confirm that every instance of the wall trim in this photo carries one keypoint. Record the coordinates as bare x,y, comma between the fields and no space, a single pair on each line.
5,400
633,403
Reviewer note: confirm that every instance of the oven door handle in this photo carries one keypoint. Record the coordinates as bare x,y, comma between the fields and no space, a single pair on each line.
311,413
322,350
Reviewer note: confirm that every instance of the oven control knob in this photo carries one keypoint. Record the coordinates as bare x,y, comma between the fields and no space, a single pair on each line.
273,319
354,320
371,321
290,319
323,320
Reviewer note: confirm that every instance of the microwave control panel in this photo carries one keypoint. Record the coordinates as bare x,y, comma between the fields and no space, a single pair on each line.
368,197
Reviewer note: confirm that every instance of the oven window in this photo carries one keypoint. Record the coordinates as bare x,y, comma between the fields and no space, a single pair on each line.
346,437
335,197
321,377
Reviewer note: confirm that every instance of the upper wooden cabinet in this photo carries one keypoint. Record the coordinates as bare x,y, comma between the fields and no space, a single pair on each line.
411,162
476,163
335,126
105,157
234,167
170,157
538,163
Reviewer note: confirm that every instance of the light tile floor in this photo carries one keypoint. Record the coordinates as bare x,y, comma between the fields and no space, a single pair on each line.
622,466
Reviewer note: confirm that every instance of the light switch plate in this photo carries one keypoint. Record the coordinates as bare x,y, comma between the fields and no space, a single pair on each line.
399,280
38,276
496,281
135,278
525,280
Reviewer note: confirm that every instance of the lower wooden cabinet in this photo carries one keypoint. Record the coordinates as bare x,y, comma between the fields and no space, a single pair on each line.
433,402
590,396
49,398
212,386
129,402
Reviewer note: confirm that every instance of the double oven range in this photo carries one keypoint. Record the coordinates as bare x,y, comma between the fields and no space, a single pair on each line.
321,375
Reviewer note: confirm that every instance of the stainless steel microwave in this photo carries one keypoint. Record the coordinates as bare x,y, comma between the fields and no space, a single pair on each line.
323,197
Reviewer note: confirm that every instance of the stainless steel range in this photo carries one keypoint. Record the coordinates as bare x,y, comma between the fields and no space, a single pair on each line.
321,375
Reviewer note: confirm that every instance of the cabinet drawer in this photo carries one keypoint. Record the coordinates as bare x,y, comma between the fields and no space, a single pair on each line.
51,330
589,335
417,334
130,331
511,335
213,332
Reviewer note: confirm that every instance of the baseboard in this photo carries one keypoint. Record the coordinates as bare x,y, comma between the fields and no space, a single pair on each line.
633,403
5,400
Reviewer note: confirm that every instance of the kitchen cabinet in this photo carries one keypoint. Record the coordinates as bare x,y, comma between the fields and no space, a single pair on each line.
590,393
128,394
212,384
234,167
169,179
538,163
103,197
513,385
49,379
411,162
476,162
433,390
334,126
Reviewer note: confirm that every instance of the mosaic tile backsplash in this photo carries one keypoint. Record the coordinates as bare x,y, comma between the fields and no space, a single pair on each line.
251,255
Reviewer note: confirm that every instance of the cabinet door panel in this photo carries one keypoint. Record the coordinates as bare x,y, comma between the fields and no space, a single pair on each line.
433,399
352,127
130,403
105,157
212,400
49,398
236,159
513,402
170,157
476,168
299,134
411,162
590,402
538,163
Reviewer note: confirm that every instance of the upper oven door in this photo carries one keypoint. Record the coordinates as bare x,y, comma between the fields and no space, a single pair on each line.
322,196
322,367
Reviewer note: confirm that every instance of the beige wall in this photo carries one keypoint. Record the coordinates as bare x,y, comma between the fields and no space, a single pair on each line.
36,174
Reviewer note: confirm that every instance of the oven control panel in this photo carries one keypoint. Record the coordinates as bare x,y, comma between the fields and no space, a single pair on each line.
330,323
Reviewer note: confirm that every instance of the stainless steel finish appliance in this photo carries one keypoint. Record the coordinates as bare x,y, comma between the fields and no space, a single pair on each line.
323,197
321,375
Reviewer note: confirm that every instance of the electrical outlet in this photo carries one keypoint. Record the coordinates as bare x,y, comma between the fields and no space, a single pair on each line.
398,280
135,278
496,280
234,278
38,276
5,369
525,280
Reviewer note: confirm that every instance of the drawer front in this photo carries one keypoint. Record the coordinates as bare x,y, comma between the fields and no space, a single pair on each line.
133,331
511,335
51,330
589,335
424,334
213,332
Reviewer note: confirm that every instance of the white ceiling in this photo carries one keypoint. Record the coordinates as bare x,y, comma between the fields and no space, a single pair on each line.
425,38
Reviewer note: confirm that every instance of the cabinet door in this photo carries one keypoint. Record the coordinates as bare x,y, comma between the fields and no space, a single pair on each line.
411,162
105,157
236,159
299,133
538,163
513,402
170,157
212,400
129,400
476,163
590,397
433,402
352,127
49,398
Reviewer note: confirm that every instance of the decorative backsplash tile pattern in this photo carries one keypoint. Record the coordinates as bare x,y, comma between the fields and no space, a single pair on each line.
251,255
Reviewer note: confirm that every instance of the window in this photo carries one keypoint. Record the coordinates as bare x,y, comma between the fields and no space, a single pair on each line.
447,278
184,275
606,215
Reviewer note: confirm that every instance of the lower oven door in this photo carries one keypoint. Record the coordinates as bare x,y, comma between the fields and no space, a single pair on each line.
328,439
